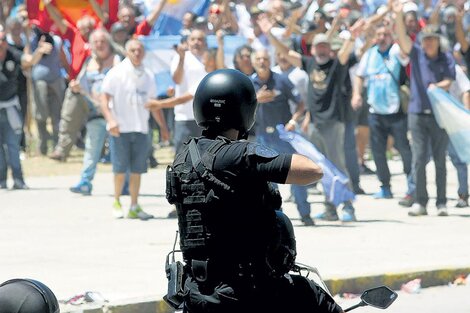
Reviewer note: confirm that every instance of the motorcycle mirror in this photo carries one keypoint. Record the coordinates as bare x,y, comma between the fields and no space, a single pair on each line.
380,297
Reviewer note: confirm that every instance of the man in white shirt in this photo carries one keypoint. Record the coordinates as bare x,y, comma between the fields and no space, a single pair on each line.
126,89
187,69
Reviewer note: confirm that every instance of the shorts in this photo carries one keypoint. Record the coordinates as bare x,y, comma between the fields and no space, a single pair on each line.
129,151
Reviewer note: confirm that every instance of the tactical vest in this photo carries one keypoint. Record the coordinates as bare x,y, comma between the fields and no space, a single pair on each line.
202,196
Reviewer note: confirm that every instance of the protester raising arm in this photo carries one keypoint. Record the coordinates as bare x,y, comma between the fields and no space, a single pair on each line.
292,56
404,41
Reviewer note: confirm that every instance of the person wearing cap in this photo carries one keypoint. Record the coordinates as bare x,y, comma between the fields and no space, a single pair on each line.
430,68
327,99
27,296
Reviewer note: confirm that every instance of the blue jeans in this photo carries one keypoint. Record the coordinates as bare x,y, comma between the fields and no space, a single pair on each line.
94,141
183,131
462,172
299,192
350,152
11,157
381,126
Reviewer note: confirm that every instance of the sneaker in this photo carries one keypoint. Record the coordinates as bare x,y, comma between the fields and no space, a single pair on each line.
358,190
348,214
137,212
307,220
172,214
383,193
329,214
462,202
117,210
417,210
58,156
442,210
19,185
82,187
364,170
152,162
407,201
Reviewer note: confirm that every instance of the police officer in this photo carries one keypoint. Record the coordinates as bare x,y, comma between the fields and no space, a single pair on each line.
236,253
27,296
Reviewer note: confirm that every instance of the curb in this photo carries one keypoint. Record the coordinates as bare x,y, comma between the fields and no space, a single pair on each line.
336,286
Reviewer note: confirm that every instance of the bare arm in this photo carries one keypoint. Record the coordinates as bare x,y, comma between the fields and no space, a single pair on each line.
459,32
303,171
444,84
179,72
348,46
154,104
466,99
228,17
28,60
404,41
220,57
160,119
112,126
56,16
356,101
153,16
99,11
293,57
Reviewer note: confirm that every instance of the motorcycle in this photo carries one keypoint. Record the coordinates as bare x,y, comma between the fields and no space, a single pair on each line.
379,297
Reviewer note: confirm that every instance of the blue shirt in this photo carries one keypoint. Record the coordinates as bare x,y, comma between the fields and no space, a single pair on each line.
277,111
426,71
382,71
48,68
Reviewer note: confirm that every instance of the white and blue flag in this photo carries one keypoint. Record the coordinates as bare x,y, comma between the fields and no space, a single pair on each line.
452,116
334,182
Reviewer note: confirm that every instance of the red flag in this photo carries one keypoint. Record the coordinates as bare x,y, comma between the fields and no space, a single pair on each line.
72,11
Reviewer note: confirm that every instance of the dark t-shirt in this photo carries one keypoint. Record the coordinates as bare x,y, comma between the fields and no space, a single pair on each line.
426,71
10,70
242,225
327,90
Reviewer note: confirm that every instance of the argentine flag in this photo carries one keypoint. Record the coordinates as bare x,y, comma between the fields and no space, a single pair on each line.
334,182
452,116
169,22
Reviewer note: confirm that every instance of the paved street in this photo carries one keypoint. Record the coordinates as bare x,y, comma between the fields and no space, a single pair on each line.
72,243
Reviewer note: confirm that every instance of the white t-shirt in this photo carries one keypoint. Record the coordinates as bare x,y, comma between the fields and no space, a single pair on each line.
194,72
130,89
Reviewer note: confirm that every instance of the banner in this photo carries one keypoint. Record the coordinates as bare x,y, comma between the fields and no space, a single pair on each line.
72,11
452,116
160,51
334,182
169,22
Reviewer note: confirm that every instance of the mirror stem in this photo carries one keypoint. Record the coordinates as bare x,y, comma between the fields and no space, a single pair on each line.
355,306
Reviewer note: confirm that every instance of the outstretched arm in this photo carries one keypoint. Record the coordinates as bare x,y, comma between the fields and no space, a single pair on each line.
404,41
56,16
265,25
153,16
303,171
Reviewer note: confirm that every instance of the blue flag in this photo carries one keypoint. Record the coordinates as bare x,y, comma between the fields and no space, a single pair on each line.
334,182
452,116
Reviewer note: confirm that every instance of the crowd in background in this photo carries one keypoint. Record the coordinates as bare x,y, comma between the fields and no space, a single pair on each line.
347,74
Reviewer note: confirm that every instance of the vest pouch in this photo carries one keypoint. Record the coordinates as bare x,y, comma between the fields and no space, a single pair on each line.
172,185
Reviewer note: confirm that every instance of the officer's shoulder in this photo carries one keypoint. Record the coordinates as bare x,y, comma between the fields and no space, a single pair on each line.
256,149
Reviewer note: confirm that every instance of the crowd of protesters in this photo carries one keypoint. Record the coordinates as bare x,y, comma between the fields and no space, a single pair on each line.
347,74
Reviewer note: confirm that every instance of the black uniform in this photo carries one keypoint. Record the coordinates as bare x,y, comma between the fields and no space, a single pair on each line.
227,223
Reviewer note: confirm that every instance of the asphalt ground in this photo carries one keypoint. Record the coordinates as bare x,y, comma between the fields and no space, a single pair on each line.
72,243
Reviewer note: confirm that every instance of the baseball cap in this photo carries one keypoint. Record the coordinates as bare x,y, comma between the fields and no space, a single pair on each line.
429,31
320,38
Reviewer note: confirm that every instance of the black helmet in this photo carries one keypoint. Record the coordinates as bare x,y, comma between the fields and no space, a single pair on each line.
225,99
283,250
27,296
